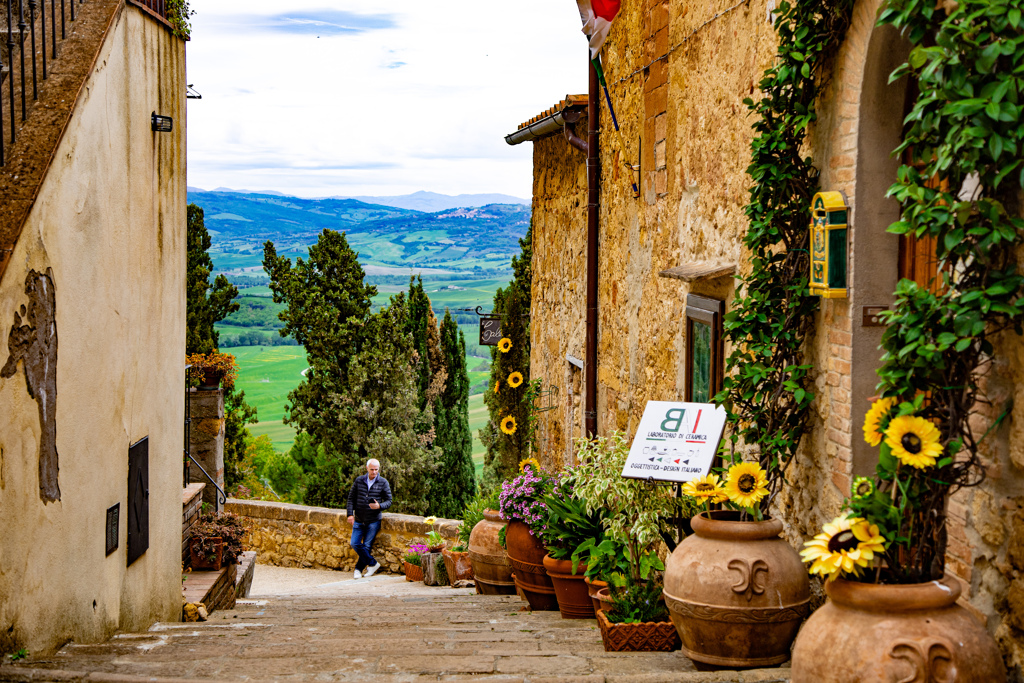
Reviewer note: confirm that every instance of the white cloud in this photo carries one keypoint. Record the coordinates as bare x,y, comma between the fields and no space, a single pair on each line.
375,98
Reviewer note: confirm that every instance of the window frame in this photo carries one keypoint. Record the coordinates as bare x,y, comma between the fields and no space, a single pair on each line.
710,312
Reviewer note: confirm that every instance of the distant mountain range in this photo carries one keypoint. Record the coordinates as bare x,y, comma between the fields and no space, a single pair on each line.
460,238
427,202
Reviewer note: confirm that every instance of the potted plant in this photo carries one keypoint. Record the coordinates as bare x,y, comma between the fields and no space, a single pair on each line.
215,541
522,506
607,565
892,610
569,532
735,588
209,370
412,563
456,560
492,571
627,557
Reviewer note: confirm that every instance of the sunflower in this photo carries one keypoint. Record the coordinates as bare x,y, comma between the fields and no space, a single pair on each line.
529,462
505,345
845,545
706,488
515,379
508,425
873,420
914,440
497,385
430,520
862,488
746,484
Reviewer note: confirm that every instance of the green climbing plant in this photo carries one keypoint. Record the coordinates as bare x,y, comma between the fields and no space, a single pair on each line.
767,389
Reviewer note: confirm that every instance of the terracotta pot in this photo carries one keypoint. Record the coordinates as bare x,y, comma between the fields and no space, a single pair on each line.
647,636
413,573
211,379
491,569
737,592
527,556
877,632
593,586
571,590
458,565
201,561
604,599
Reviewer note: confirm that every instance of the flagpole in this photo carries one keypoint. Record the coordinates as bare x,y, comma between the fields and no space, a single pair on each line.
615,122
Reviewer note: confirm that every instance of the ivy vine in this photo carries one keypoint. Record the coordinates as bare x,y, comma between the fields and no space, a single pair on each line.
766,388
179,16
962,187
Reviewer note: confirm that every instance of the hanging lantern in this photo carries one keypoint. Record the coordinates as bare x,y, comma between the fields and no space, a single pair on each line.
829,223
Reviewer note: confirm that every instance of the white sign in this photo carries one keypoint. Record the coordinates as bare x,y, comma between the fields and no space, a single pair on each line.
675,441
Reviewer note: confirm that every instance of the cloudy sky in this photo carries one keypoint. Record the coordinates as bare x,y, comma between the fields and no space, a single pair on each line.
352,97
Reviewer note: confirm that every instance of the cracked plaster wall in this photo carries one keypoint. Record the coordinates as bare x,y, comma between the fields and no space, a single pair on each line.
109,221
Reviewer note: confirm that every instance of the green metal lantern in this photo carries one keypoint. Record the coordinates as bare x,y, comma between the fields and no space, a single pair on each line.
829,244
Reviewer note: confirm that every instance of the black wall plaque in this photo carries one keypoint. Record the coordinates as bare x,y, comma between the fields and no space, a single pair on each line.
138,499
113,526
490,331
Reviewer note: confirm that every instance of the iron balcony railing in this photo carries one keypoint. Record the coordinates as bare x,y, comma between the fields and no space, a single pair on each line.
188,460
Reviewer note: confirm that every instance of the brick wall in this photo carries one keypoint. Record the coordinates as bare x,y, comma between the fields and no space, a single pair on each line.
191,506
301,536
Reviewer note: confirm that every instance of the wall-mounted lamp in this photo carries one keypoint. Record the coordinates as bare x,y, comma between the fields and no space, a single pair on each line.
162,124
829,226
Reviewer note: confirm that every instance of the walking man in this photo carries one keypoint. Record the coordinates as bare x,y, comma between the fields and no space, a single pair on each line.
369,495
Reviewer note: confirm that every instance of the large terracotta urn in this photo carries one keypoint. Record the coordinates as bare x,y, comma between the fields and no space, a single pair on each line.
737,592
527,556
571,590
870,633
491,569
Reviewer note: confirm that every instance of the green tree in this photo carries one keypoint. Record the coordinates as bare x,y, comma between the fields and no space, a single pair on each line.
205,304
455,480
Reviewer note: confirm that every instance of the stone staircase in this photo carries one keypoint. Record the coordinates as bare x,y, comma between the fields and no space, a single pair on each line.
379,629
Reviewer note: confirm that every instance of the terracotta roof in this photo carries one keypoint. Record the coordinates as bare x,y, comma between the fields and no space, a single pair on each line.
570,101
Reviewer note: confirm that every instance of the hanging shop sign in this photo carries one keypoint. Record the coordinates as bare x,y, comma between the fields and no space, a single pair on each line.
829,226
675,441
490,330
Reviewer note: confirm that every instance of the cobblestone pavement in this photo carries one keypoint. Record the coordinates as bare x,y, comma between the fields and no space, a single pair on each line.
379,629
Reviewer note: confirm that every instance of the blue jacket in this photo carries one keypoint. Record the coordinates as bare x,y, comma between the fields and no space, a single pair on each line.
359,498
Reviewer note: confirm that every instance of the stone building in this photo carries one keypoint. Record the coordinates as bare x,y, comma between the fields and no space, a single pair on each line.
92,268
678,74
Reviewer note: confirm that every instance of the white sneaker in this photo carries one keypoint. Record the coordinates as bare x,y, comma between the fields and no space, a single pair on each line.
371,570
357,574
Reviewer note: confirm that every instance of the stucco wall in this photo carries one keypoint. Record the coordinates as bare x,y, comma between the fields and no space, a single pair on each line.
683,118
287,535
109,223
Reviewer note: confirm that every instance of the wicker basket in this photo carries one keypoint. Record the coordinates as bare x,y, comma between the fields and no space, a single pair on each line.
648,636
413,573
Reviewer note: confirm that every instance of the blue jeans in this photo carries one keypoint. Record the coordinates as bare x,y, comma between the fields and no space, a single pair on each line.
363,534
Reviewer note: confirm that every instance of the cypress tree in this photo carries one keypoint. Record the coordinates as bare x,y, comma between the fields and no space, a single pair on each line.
455,480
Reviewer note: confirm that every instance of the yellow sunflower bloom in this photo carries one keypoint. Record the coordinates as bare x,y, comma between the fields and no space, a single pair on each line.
497,385
707,488
505,344
430,520
515,379
746,484
529,462
862,488
845,546
914,440
872,421
508,425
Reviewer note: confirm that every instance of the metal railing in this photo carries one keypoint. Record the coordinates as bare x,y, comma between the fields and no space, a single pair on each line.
29,40
221,498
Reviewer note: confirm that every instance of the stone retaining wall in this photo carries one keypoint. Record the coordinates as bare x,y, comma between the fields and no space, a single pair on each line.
301,536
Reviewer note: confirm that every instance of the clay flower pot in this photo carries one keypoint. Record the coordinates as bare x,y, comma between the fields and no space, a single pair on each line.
593,586
413,573
491,569
647,636
211,379
458,565
570,589
603,598
201,560
527,556
877,632
737,592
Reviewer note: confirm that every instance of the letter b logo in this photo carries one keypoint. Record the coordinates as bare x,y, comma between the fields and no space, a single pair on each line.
674,416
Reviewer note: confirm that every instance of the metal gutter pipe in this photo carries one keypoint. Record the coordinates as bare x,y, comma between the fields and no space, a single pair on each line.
549,125
593,204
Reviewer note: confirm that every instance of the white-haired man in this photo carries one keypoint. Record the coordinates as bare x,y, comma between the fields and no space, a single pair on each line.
368,496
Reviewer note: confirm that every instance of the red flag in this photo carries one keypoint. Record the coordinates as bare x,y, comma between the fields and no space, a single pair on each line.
597,16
